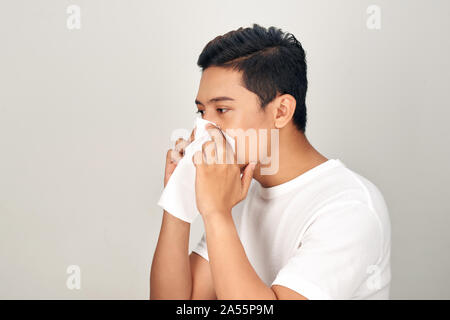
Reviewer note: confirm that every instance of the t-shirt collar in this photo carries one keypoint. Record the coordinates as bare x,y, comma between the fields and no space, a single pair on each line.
287,186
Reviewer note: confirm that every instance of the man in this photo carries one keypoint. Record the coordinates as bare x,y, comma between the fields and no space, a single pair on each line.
313,229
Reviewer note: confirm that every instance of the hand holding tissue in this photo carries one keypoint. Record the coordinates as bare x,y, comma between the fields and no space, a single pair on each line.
178,197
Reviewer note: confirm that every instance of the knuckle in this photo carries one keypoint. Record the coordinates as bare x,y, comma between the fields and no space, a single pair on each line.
176,156
197,157
179,143
192,135
207,145
169,155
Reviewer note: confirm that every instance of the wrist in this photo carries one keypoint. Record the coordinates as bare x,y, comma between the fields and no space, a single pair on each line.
170,219
218,218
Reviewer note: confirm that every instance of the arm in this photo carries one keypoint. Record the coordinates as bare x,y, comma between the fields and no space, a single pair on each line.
170,276
202,283
232,273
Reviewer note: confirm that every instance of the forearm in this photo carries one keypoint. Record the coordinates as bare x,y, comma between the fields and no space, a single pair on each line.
170,276
233,275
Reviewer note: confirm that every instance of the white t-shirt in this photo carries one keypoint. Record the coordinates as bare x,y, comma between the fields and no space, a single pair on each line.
324,234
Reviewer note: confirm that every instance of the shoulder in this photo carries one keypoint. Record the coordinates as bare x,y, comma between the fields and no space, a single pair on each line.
351,211
350,196
347,219
341,200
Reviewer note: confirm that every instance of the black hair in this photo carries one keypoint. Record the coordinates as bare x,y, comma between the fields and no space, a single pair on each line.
272,62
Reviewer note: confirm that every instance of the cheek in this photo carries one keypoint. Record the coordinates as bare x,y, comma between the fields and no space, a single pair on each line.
254,120
251,143
259,146
257,128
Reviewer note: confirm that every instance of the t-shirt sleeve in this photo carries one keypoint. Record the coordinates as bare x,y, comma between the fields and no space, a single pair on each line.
337,251
201,248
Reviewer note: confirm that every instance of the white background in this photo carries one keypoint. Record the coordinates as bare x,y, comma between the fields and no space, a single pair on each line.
86,116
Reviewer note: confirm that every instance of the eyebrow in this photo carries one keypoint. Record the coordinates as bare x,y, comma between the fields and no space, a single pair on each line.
216,99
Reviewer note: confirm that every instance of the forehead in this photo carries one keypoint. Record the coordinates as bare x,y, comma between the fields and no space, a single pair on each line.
217,81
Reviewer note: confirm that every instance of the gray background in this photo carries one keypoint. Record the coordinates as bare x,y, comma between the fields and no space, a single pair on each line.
86,117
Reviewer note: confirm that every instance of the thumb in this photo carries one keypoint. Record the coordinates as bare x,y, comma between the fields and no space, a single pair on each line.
247,177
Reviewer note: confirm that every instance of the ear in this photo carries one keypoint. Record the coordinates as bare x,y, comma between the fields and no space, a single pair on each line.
284,108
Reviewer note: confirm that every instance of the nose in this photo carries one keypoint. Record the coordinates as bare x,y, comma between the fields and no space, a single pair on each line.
212,118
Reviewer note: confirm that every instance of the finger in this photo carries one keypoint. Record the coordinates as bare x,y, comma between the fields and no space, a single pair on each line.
231,156
210,126
192,137
247,178
197,158
169,156
174,156
209,152
236,150
177,142
240,145
180,145
220,141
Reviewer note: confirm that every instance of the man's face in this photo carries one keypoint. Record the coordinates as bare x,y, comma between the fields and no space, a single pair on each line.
236,108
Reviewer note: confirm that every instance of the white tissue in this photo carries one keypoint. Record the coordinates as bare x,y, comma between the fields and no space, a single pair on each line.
178,197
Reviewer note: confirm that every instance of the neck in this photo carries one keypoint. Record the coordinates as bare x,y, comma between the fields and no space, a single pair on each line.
296,156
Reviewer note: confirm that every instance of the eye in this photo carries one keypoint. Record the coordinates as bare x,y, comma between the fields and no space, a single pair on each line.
222,110
200,111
